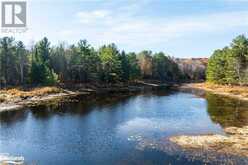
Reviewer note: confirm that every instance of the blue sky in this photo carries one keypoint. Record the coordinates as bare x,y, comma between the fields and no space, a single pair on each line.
180,28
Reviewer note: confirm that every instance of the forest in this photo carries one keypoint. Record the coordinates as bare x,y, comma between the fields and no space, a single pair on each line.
44,64
230,64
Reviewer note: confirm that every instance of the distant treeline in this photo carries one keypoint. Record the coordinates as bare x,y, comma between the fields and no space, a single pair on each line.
193,69
44,64
230,64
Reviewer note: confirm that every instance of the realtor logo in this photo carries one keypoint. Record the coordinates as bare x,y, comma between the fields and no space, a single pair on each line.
14,14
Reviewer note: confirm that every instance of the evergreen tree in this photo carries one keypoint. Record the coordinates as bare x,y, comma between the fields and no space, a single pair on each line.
216,67
125,67
161,67
230,65
111,63
134,69
8,72
41,73
81,63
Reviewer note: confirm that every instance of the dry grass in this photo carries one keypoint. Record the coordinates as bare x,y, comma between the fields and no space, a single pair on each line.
236,143
235,90
15,92
2,98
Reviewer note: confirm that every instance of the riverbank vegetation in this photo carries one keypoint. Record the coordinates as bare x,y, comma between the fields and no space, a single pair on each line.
227,75
14,93
227,70
233,91
46,64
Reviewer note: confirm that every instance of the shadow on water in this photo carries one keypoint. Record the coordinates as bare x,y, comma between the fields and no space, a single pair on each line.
78,106
12,117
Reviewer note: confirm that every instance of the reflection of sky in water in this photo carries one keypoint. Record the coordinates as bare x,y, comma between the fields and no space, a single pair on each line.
151,126
146,125
168,115
174,115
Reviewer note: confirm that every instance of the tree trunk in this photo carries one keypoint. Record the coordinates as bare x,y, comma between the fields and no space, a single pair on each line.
21,72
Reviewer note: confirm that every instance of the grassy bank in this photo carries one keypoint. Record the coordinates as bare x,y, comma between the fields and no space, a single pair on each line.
235,142
19,93
17,98
239,92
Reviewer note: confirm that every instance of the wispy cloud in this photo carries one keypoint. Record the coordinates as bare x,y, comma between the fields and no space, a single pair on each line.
136,25
124,28
92,16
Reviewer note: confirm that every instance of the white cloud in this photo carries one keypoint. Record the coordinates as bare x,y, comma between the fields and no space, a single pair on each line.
128,24
92,16
135,31
66,32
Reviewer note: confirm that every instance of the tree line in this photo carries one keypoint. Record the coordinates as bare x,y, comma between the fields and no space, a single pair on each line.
44,64
230,64
193,69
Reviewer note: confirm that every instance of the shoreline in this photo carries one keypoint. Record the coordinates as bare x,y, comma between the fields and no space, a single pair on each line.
20,103
34,97
235,92
235,142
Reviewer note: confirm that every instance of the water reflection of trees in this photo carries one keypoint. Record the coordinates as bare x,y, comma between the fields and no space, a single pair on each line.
11,117
79,106
227,112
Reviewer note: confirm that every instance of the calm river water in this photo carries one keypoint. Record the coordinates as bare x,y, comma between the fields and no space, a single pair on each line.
108,130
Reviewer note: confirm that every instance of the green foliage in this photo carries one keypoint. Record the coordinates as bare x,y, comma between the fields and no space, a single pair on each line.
8,61
83,63
160,67
41,73
22,62
229,65
111,63
216,67
124,67
165,69
134,69
80,63
58,62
